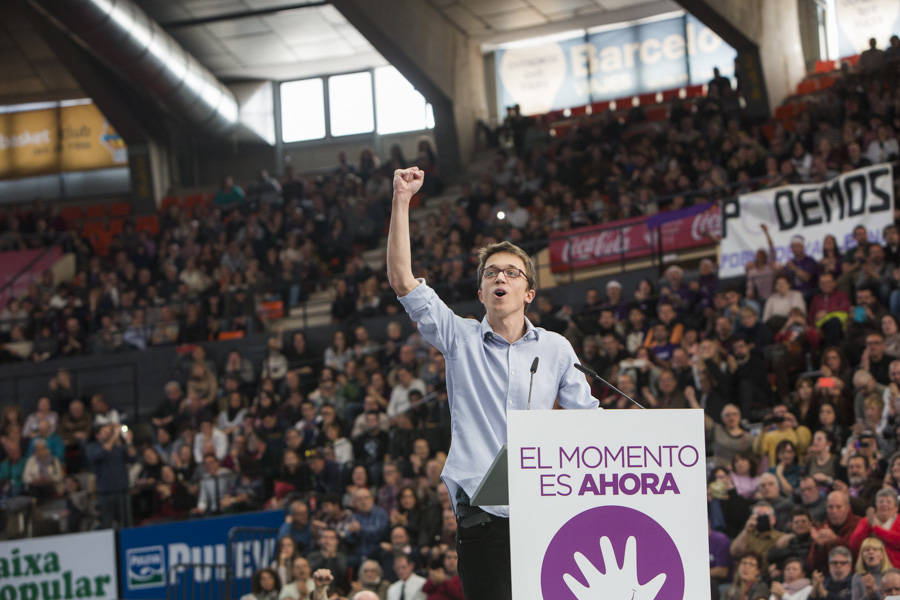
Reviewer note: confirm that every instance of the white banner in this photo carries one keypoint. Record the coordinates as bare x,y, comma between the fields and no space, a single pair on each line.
78,565
861,197
859,20
608,505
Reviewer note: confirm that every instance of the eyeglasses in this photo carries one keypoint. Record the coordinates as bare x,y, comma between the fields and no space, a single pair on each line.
838,562
509,273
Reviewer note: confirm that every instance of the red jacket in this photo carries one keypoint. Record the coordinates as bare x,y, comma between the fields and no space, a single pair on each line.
835,301
890,537
449,590
817,560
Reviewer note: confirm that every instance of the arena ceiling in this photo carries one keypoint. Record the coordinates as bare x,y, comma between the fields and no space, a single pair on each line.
289,39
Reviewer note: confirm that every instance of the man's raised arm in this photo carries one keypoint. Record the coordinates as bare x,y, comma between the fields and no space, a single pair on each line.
399,261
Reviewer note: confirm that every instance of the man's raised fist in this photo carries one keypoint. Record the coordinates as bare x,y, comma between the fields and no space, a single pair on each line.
408,181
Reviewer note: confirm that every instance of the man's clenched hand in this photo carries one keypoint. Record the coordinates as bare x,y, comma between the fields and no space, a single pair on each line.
408,181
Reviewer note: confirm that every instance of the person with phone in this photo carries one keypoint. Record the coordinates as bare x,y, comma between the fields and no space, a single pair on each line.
759,534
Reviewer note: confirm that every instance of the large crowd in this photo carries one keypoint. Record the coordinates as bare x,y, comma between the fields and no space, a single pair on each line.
797,367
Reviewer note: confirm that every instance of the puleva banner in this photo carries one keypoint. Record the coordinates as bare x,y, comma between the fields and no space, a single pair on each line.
69,138
608,504
148,554
861,197
609,63
59,567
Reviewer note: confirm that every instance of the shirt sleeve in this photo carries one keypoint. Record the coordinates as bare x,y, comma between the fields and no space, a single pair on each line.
437,323
574,391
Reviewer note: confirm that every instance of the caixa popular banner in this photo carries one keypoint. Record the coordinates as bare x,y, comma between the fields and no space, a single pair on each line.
608,504
835,207
698,225
78,565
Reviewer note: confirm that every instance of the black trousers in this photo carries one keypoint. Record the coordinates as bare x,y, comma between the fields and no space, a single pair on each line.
484,564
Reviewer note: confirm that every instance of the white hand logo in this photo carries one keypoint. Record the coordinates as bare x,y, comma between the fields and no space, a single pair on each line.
615,584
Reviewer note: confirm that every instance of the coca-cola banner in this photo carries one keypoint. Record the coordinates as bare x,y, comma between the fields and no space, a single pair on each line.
861,197
633,238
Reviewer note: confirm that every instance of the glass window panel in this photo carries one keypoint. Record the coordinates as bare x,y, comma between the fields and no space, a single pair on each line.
350,104
397,103
302,110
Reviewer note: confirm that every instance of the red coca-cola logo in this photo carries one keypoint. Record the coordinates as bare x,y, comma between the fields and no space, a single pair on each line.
707,224
595,245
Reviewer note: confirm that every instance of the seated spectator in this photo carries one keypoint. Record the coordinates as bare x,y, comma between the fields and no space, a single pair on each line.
229,195
890,579
795,585
285,553
443,578
172,499
829,310
409,584
780,425
862,485
30,428
779,304
264,585
370,581
214,486
748,582
75,430
329,556
840,574
50,438
796,542
209,440
880,522
297,526
871,564
103,413
44,473
758,535
369,525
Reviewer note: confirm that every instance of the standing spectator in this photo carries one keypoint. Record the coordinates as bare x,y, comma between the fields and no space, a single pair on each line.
328,556
110,456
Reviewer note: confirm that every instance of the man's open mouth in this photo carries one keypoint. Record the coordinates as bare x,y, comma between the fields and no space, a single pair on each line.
499,293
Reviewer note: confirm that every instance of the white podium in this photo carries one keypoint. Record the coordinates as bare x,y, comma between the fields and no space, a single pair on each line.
608,505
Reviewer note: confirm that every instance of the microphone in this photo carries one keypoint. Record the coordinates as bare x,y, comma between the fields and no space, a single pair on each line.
593,374
534,365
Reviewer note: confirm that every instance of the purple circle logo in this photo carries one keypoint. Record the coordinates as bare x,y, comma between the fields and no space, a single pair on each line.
612,552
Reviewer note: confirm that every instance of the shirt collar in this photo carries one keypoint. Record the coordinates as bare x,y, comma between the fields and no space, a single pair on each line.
530,330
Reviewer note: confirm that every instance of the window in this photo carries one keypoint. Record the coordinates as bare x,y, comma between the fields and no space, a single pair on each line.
302,110
398,105
350,104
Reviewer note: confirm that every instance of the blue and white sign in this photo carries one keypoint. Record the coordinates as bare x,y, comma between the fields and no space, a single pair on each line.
610,63
148,554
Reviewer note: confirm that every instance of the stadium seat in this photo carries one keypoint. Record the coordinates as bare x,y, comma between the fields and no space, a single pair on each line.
168,202
599,107
624,103
120,209
272,310
784,111
95,211
694,91
231,335
92,229
148,223
116,226
807,86
194,200
825,66
578,111
826,82
71,214
648,99
669,95
657,113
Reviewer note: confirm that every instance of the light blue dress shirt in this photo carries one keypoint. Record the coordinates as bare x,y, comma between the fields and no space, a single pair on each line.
486,377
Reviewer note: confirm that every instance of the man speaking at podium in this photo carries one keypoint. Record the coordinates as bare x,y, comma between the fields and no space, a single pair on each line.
489,366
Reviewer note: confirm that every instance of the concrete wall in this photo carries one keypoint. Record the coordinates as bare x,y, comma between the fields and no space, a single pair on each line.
772,26
438,58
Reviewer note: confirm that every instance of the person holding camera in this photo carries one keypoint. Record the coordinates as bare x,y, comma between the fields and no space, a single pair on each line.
759,534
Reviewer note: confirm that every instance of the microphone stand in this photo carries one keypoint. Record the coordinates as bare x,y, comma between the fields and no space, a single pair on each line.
593,374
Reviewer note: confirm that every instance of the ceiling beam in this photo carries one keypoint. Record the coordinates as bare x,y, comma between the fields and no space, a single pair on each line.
238,15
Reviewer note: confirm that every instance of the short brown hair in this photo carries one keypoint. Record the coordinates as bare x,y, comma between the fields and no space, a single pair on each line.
488,251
